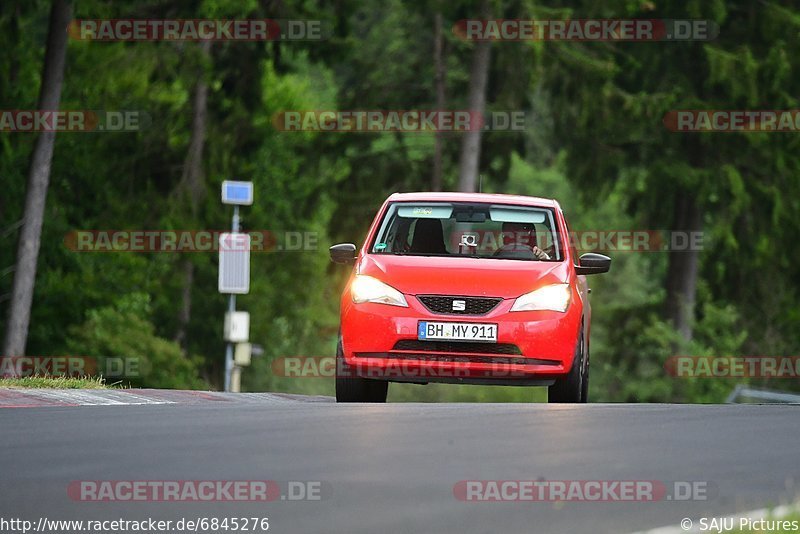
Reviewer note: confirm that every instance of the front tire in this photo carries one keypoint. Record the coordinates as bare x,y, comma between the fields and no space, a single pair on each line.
352,388
574,388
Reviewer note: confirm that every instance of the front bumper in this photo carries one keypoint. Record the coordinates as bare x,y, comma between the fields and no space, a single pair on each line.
533,348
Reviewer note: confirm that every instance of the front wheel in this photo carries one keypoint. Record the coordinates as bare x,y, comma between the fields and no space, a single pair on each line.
352,388
573,388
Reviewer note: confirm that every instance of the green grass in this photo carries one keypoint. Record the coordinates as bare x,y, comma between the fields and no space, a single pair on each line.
54,382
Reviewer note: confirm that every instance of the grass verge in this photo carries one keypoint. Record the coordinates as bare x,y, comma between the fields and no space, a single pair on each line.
54,382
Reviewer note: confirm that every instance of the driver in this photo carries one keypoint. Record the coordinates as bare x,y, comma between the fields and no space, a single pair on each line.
521,238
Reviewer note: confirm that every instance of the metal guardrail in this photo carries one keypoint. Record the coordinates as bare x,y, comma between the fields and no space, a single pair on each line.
762,395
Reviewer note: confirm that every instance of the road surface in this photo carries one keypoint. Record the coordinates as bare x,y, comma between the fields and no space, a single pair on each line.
393,468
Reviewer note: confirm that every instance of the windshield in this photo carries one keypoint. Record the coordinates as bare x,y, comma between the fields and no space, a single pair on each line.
476,230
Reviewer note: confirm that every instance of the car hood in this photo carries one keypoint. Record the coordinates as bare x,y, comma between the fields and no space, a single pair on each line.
420,275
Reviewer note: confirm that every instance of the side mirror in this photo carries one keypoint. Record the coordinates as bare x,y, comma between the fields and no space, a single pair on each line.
343,253
591,263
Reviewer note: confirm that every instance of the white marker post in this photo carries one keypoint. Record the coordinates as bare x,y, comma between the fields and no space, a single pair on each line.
234,268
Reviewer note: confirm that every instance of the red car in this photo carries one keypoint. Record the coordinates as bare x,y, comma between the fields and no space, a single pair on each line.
465,288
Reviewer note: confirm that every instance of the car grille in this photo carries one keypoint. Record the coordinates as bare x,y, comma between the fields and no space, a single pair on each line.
472,305
456,346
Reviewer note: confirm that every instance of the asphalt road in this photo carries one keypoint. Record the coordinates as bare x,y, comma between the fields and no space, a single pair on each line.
392,468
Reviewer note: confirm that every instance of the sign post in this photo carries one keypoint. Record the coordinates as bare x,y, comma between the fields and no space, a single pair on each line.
234,272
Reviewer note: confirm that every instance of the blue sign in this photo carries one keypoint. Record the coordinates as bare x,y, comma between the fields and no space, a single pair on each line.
240,193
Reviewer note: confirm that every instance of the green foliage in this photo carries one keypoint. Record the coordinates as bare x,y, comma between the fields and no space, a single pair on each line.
630,361
124,331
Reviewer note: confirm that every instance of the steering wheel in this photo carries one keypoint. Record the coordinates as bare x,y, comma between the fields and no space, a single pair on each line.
518,250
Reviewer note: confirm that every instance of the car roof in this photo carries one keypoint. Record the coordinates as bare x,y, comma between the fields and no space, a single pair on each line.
474,197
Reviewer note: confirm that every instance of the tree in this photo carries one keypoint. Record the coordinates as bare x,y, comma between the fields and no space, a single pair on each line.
440,74
469,163
193,184
38,182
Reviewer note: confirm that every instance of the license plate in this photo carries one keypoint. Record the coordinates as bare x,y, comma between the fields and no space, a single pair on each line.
457,331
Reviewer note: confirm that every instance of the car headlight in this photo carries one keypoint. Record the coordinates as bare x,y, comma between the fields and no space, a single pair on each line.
368,289
554,297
